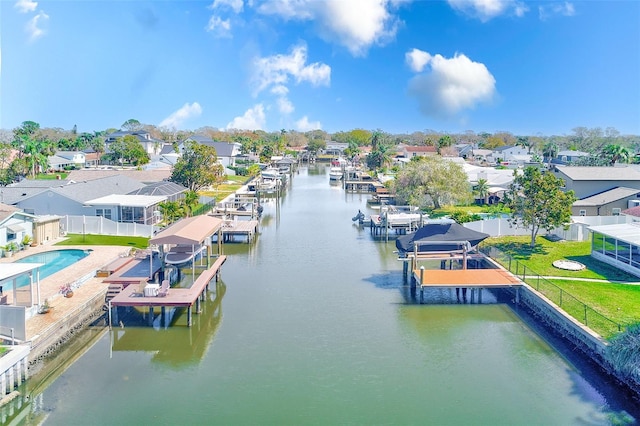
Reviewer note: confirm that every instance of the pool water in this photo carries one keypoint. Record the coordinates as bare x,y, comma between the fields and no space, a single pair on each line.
54,261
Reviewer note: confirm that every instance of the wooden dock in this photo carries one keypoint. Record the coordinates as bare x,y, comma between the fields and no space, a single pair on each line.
131,296
474,279
245,229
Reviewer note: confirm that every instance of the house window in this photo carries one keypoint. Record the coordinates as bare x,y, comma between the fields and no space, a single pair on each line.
615,211
583,212
11,235
106,213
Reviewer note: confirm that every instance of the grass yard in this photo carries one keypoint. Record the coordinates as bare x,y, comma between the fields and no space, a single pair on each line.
3,351
51,176
104,240
232,184
616,301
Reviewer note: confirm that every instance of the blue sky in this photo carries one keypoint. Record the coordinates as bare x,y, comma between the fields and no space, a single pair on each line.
397,65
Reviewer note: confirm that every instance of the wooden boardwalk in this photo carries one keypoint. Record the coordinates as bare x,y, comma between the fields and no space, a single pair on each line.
131,296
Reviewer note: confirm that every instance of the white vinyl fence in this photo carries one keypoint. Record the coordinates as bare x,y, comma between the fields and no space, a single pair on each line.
578,230
100,226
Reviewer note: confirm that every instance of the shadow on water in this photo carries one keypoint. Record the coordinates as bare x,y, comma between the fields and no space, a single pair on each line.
610,391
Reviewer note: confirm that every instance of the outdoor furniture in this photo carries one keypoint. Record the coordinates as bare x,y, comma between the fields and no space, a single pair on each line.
164,288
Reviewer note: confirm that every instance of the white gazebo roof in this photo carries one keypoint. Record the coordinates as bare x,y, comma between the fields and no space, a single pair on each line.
12,270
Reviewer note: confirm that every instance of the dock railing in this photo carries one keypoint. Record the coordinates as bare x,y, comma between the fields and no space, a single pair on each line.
573,306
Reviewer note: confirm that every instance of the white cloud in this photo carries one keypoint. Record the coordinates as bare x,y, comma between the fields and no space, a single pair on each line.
235,5
452,85
417,59
355,24
304,125
284,105
177,118
219,27
485,10
556,9
278,69
253,119
34,26
25,6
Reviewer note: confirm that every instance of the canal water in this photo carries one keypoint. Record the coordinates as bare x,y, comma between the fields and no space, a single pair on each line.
314,325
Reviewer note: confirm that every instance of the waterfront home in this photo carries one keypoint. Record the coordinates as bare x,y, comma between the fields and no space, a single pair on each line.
127,208
510,154
227,152
587,181
14,225
607,203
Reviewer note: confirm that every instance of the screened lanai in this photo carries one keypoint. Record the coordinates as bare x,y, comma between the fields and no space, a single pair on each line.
618,245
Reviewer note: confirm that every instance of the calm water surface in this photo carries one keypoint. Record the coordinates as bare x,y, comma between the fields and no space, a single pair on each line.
313,325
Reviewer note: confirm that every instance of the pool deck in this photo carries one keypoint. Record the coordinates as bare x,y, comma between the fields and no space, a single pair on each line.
50,286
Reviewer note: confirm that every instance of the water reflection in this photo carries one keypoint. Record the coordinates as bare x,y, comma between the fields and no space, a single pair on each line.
176,345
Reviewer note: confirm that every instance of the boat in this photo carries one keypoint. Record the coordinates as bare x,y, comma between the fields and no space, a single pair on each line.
181,254
271,173
335,173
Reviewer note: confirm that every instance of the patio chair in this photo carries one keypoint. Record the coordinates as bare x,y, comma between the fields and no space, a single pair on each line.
164,288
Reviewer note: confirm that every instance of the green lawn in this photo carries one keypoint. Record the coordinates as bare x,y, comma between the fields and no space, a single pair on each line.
104,240
616,301
51,176
3,351
226,189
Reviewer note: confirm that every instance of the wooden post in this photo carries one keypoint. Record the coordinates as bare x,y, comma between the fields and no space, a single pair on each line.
421,282
189,316
150,315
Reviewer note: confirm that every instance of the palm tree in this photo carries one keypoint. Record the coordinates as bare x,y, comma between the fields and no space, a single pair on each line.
482,189
616,153
550,150
189,202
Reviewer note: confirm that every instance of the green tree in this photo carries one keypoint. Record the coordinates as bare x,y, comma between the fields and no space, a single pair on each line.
132,125
316,145
482,189
198,167
432,182
134,153
171,211
537,201
615,154
190,202
549,151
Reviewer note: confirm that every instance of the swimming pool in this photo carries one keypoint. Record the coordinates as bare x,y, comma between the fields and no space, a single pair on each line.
54,261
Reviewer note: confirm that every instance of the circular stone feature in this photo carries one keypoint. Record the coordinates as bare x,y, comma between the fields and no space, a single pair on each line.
569,265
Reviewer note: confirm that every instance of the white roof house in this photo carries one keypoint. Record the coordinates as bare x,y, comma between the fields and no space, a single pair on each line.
127,208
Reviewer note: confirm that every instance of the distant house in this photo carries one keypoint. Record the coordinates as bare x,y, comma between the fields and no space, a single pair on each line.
587,181
633,212
67,159
568,157
510,154
145,176
607,203
226,151
409,151
335,148
151,145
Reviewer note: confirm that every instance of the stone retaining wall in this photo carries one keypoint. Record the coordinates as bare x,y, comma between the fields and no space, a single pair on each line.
60,333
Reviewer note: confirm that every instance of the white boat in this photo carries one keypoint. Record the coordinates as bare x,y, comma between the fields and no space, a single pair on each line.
180,254
271,173
335,173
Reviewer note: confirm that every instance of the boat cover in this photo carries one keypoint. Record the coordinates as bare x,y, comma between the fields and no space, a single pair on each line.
439,237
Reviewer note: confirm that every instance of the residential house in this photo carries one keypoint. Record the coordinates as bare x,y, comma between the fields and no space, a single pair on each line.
150,144
568,157
607,203
64,160
409,151
587,181
510,155
226,151
14,225
335,148
67,197
172,191
127,208
145,176
633,212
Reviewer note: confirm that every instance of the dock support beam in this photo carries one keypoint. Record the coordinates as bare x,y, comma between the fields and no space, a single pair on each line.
189,321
